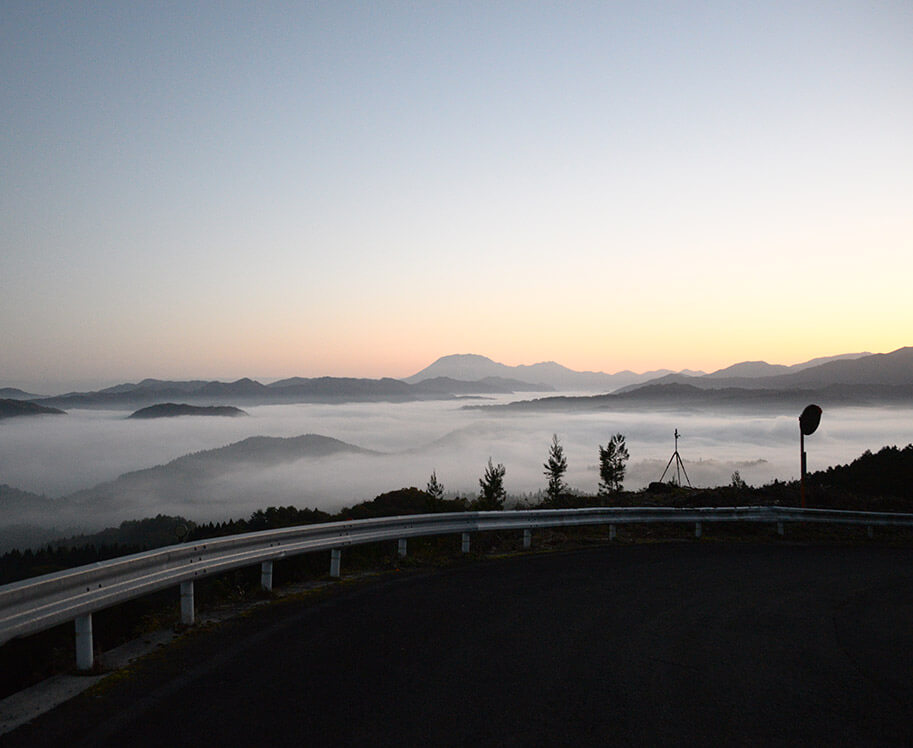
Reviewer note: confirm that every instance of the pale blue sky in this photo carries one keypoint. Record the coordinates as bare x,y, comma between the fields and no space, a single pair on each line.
276,189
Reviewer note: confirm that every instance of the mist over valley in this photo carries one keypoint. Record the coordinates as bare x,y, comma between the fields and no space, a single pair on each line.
102,469
93,467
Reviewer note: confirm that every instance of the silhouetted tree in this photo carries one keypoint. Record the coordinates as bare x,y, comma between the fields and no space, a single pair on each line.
555,468
885,473
434,488
492,494
612,460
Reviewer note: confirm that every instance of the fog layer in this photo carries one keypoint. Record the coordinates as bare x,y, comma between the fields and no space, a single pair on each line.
57,456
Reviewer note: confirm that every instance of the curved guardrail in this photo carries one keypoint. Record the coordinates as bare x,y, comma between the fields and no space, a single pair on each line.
36,604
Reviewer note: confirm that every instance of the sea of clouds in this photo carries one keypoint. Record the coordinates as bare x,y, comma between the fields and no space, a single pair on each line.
56,456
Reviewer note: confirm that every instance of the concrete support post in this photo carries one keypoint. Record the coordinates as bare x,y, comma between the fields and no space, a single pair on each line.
780,528
266,575
612,532
527,538
465,546
187,603
871,531
698,531
335,560
85,654
401,547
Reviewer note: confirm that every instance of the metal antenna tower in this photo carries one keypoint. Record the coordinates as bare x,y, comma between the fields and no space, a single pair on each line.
679,466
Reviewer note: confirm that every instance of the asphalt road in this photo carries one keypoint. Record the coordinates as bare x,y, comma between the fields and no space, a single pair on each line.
668,643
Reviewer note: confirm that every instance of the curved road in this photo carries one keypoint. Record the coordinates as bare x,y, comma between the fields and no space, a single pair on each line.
666,643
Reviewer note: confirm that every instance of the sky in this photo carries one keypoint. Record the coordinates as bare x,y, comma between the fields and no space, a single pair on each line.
218,190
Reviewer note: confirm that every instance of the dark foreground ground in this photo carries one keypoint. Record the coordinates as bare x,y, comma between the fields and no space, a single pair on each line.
661,643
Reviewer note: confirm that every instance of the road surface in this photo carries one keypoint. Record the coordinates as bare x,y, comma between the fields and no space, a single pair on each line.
658,643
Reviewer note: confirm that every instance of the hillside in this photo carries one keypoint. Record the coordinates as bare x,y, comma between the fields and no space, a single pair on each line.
879,370
763,369
210,483
24,506
895,368
14,393
206,481
18,408
665,394
172,410
883,476
29,519
250,453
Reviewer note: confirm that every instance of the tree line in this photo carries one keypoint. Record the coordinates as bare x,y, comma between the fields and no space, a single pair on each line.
874,482
613,459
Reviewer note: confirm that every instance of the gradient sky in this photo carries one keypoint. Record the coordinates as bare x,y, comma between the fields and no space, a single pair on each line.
216,190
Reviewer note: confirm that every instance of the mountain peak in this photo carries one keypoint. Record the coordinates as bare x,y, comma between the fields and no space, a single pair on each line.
470,367
467,358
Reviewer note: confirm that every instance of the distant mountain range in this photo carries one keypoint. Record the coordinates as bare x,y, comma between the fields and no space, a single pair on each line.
748,374
469,375
294,390
871,379
545,376
763,369
879,369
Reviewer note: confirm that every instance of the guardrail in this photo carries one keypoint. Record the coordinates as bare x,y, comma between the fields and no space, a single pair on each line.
36,604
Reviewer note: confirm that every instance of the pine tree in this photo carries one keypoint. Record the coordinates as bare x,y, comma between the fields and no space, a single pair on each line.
555,468
612,460
492,494
434,488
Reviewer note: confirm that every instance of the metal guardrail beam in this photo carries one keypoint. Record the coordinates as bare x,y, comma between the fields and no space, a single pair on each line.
36,604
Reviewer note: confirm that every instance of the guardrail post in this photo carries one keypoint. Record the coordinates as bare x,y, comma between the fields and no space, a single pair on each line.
85,655
871,531
611,532
465,545
527,538
697,529
401,547
187,603
779,528
335,559
266,575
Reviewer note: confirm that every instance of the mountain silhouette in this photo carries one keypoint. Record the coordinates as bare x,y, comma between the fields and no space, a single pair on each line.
14,393
18,408
763,369
893,369
170,410
472,366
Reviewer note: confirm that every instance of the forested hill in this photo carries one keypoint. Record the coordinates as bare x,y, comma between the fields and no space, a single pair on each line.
17,408
171,410
887,474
